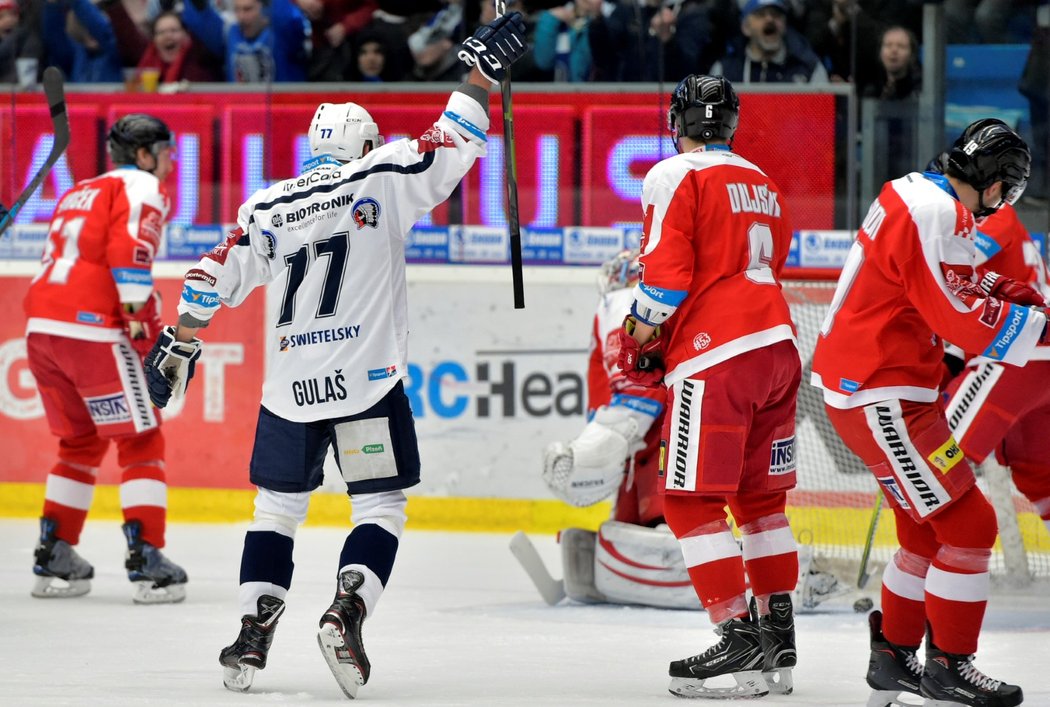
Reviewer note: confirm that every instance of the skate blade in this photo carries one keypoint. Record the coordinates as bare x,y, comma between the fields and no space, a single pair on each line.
779,681
56,588
340,660
749,684
942,703
238,679
891,698
146,592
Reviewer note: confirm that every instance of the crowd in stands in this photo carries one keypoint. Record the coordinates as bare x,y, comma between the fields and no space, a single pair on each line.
265,41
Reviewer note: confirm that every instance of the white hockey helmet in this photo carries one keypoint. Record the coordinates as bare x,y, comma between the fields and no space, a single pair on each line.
620,271
341,130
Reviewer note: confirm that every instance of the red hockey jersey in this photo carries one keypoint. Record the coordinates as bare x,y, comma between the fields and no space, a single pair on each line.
100,248
909,279
715,240
1004,246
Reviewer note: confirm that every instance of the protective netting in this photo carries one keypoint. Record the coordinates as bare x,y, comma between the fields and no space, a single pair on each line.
833,502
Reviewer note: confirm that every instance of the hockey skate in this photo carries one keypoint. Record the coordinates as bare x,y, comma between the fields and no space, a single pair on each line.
776,634
60,571
248,653
738,653
340,635
892,669
157,579
952,680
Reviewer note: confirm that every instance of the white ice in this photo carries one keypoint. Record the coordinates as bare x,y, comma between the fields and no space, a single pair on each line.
458,625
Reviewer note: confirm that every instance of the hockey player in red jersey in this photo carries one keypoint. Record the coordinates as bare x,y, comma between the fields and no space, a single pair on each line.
1006,409
93,314
715,240
908,281
633,558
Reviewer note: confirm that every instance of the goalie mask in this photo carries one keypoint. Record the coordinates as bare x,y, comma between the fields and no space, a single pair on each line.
619,272
988,151
134,131
342,130
703,108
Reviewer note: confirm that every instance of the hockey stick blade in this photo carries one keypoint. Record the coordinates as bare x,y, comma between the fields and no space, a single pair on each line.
552,590
56,102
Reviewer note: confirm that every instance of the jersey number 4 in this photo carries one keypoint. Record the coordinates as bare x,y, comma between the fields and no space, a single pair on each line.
335,248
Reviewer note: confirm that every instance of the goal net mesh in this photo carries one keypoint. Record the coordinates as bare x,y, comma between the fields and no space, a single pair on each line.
833,503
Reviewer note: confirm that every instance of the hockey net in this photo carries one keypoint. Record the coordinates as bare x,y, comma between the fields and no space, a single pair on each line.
833,504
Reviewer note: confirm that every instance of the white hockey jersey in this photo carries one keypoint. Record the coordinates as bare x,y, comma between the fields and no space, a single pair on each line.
330,243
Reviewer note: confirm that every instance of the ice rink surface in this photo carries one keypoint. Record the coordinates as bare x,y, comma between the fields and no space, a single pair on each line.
459,624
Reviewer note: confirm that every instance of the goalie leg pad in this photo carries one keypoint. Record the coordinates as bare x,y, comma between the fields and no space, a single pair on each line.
639,565
577,561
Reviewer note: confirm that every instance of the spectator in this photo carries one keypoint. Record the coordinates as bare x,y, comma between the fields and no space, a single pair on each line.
561,43
333,25
832,35
176,55
269,40
81,42
652,42
1035,80
19,38
393,30
769,52
370,63
899,75
435,45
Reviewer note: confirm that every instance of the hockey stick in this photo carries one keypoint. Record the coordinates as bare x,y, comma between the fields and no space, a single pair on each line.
56,101
552,590
863,575
511,167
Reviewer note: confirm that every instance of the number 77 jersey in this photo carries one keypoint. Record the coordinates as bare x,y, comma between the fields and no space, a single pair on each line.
716,237
330,246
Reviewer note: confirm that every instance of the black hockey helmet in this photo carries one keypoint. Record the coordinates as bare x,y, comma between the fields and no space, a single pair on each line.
988,151
134,131
703,108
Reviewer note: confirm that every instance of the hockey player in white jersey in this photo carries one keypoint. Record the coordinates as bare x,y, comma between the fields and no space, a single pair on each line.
330,244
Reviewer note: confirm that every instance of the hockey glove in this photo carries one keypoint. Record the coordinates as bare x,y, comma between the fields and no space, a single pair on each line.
1010,290
169,366
642,364
143,326
495,46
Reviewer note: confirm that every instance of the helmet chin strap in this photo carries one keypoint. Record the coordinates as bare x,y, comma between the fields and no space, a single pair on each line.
983,210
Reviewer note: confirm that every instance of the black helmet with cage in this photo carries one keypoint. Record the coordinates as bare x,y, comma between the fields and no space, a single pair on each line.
988,151
134,131
703,108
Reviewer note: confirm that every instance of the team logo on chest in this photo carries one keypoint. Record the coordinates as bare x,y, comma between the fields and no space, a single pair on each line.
366,212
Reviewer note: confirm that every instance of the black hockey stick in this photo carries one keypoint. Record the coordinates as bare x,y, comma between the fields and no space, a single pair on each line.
56,101
512,181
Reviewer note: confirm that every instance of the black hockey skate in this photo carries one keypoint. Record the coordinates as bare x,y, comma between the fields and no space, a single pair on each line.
776,634
157,579
60,571
892,669
738,653
339,635
952,680
248,653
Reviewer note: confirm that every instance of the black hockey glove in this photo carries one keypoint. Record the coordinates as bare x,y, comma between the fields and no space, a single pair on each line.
169,366
495,46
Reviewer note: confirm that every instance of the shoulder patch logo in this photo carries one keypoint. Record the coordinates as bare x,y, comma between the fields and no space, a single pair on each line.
366,212
271,245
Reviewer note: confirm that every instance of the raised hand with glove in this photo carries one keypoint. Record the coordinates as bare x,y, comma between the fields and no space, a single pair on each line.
170,366
641,363
495,46
142,323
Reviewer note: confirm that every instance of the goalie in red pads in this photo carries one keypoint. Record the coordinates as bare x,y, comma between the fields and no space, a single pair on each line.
908,281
